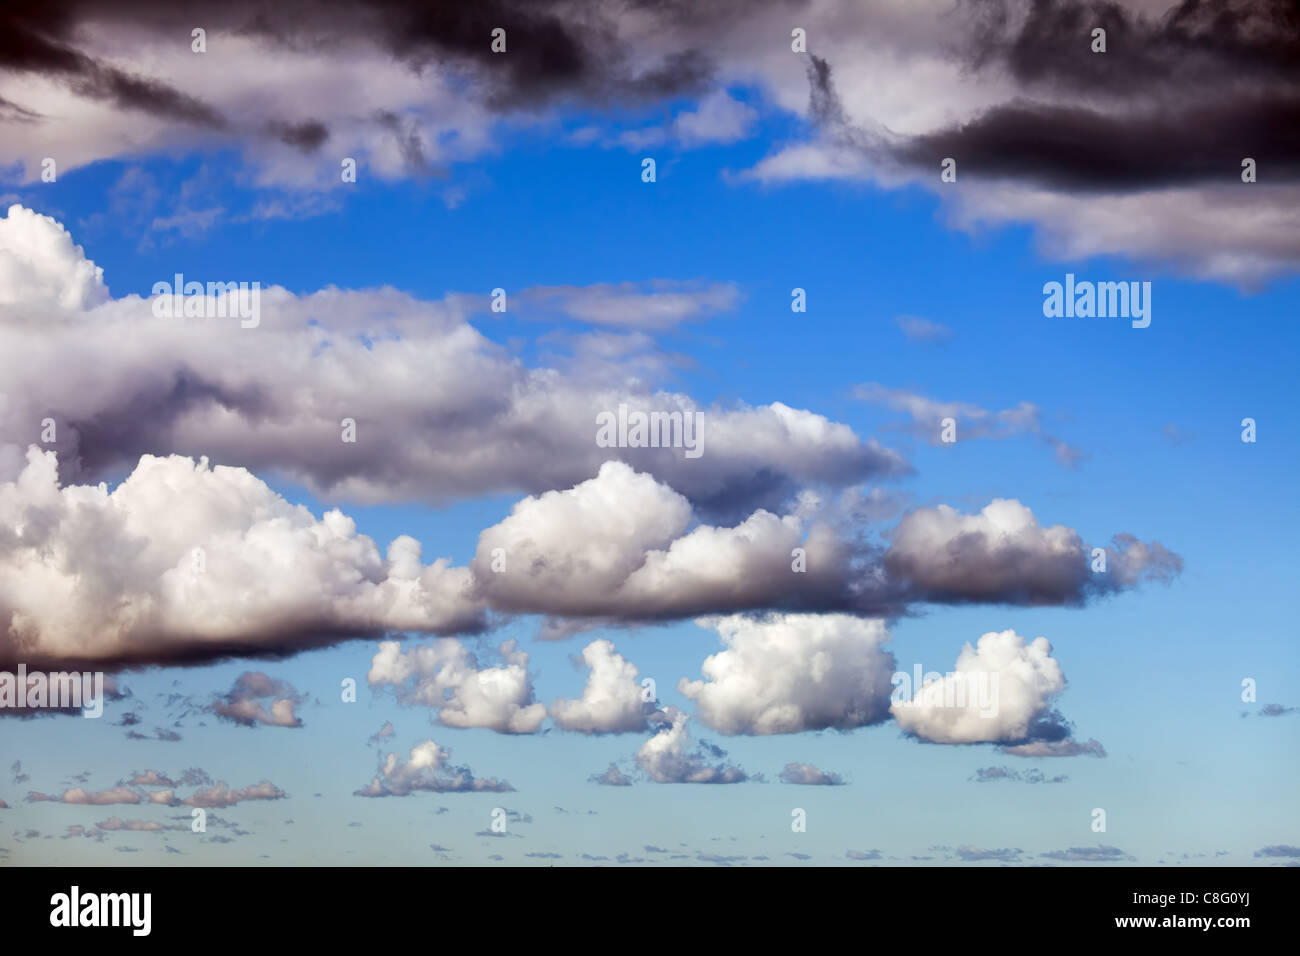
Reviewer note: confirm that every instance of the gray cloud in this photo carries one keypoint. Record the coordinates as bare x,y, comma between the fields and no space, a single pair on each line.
975,854
612,777
917,329
948,557
863,855
245,704
1056,748
667,758
428,769
971,421
271,398
992,774
657,305
808,775
642,557
1163,118
221,794
1276,710
78,795
1278,850
1213,79
1077,143
1088,854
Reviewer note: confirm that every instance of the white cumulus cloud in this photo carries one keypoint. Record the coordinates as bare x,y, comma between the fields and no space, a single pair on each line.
611,701
794,672
446,676
1001,691
185,560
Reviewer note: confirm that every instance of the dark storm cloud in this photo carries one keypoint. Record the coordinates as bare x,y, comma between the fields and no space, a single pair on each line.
1214,82
1078,149
554,48
35,38
1176,100
545,52
1202,41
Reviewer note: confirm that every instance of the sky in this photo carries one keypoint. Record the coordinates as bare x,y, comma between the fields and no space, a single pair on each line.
477,633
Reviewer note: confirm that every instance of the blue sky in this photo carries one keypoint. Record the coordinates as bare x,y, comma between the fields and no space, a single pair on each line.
1153,670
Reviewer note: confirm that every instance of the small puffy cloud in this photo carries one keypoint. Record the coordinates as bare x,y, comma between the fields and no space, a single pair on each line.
973,854
918,329
808,775
611,701
719,118
1132,561
137,826
1088,854
1276,710
1056,748
788,673
992,774
79,795
195,777
245,704
445,676
657,305
385,732
149,778
159,733
220,794
612,777
863,855
1000,691
427,769
666,757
